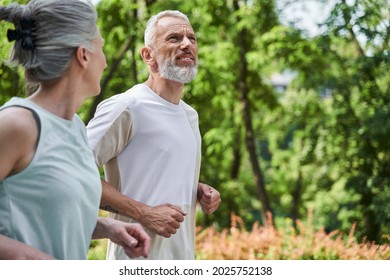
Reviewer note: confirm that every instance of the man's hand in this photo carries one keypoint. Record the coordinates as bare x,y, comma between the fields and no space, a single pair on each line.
163,219
209,198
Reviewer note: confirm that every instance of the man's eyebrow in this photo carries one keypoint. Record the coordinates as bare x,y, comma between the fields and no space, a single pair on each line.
170,32
175,33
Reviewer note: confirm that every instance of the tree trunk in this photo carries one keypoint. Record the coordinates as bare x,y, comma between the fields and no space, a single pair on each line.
373,228
235,168
296,198
249,132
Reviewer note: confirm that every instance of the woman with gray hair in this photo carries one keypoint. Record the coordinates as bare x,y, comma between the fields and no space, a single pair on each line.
50,186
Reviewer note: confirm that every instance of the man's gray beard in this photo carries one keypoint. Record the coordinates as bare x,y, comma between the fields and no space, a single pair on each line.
170,71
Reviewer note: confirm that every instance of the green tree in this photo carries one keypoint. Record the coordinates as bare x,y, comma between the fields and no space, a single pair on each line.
12,81
346,137
235,87
322,144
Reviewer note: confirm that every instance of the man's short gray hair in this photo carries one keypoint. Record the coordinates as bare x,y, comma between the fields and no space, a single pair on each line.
59,28
150,31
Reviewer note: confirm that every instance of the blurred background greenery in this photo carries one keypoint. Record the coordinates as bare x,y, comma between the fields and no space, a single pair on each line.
292,122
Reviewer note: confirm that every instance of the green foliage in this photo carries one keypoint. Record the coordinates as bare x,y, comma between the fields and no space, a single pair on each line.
11,78
346,136
97,250
322,144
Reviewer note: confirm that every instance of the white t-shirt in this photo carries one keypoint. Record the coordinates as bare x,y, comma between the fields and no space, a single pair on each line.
150,149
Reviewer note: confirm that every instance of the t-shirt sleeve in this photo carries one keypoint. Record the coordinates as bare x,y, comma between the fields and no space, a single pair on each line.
110,130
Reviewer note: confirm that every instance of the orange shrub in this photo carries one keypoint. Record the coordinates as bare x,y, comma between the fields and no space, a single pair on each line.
265,242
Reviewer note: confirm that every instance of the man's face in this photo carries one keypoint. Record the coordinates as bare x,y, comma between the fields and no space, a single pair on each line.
176,50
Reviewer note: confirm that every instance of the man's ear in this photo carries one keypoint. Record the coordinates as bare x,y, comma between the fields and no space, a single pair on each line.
147,54
82,56
149,58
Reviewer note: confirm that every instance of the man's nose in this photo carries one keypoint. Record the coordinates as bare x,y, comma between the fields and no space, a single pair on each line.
185,43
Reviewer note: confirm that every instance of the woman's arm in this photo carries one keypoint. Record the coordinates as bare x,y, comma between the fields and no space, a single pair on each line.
18,138
130,236
11,249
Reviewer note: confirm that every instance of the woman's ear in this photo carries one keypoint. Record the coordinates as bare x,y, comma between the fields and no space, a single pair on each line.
82,56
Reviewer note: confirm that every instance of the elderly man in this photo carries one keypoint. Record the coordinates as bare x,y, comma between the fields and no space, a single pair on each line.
149,143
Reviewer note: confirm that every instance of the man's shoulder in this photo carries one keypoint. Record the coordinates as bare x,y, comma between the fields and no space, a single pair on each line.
122,100
192,114
188,108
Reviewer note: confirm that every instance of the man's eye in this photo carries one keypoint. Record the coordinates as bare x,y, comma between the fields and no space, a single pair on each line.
173,38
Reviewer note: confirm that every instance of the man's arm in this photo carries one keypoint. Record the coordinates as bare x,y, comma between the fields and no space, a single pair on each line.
109,132
163,219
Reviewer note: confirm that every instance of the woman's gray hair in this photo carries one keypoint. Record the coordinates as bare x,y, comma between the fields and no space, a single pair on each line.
150,31
59,28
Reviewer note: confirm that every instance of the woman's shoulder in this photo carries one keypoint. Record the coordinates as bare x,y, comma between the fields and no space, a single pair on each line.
18,139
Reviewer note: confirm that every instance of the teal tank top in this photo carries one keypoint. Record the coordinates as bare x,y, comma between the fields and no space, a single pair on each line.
53,204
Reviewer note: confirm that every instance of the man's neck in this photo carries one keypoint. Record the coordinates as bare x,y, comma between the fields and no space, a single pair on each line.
169,90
